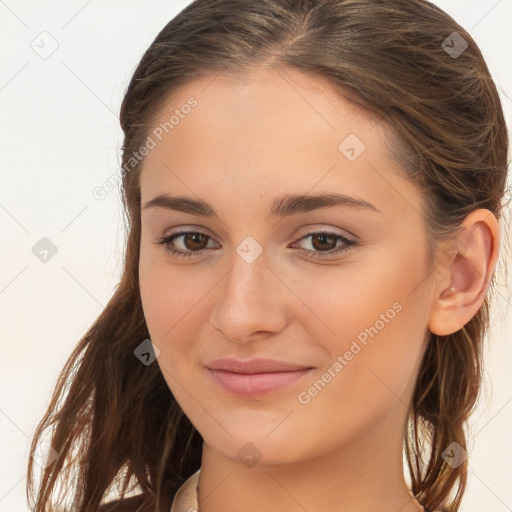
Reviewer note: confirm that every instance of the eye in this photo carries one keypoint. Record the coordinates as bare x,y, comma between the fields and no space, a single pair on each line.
194,240
324,243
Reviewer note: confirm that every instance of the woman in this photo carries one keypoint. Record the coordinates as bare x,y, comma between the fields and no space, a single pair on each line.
313,189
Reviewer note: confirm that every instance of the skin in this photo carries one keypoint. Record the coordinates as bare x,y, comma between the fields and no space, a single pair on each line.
249,141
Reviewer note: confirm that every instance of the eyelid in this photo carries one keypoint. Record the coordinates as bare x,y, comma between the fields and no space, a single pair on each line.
188,229
333,231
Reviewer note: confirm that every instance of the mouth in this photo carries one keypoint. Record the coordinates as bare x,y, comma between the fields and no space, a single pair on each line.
256,384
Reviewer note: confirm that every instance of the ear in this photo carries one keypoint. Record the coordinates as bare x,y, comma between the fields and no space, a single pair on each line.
463,276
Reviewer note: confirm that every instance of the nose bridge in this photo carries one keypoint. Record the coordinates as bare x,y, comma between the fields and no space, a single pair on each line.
250,300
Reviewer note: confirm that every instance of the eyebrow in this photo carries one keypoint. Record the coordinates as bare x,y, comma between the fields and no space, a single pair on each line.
281,207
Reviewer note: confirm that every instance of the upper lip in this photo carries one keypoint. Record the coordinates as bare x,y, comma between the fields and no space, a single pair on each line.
255,366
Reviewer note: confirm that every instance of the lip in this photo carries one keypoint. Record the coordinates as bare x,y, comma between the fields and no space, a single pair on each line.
255,377
252,366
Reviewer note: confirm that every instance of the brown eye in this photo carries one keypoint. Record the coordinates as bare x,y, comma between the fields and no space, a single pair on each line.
195,241
324,244
323,241
185,244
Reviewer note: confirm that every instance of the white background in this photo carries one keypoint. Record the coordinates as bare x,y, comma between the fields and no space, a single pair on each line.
59,138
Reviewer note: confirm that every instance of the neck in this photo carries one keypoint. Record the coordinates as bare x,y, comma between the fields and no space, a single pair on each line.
363,474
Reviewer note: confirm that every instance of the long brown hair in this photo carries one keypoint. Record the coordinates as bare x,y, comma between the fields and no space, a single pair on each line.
114,420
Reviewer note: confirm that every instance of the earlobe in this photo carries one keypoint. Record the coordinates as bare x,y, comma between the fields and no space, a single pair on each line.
462,282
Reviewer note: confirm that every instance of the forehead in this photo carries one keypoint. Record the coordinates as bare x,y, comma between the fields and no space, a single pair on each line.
265,94
273,129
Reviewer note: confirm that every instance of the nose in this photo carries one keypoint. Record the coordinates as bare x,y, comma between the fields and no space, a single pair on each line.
251,300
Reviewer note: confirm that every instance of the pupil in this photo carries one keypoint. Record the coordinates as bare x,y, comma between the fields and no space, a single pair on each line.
194,237
322,238
195,241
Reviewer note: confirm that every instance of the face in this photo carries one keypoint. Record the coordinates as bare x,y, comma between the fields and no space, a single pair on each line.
337,287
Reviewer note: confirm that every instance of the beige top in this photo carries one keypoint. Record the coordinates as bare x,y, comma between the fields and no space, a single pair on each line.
186,497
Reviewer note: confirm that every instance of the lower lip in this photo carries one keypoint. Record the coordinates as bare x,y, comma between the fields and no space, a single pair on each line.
257,384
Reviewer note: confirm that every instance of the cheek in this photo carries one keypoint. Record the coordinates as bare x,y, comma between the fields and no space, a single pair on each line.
369,371
376,321
168,295
167,306
174,301
344,302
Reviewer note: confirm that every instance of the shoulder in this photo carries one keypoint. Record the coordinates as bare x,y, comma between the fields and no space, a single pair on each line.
132,504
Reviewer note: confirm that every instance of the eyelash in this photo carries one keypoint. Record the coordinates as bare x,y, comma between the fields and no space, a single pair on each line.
348,243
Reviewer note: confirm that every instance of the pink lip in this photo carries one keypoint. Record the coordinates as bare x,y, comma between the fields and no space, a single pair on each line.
255,377
255,384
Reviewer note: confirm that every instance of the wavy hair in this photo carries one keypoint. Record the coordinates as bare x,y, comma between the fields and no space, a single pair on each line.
113,421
